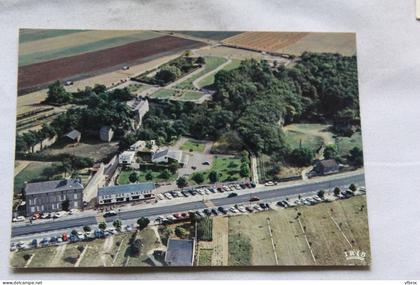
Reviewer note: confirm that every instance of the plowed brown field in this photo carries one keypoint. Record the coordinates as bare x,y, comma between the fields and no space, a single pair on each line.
39,75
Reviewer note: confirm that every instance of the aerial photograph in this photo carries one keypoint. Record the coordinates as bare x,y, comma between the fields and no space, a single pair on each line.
144,148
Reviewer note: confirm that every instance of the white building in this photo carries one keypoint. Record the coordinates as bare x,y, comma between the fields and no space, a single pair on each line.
140,107
127,157
166,154
142,146
125,193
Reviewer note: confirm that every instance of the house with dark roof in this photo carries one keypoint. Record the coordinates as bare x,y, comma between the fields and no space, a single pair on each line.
53,196
74,136
180,252
125,193
326,166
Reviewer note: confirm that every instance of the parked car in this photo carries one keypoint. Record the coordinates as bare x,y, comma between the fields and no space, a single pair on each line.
222,210
73,211
35,216
214,212
258,208
34,243
198,213
262,205
99,234
241,208
207,212
233,210
80,235
212,190
168,195
110,214
269,183
317,198
44,242
249,209
12,247
254,199
160,196
56,215
68,83
125,67
231,195
64,237
280,204
177,216
128,228
206,163
253,185
18,219
45,216
286,204
53,240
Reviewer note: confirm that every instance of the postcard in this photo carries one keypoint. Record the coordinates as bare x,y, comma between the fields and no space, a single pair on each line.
188,148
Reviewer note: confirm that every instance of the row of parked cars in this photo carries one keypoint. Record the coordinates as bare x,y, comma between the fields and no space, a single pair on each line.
74,236
43,216
205,190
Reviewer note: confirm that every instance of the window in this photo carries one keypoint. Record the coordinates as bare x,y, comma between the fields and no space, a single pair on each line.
75,196
53,206
76,204
32,209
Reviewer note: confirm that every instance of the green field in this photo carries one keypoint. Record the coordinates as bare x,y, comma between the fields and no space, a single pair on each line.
138,88
35,57
311,136
249,235
123,177
211,64
345,144
227,167
29,35
205,255
32,171
191,145
209,80
172,94
210,35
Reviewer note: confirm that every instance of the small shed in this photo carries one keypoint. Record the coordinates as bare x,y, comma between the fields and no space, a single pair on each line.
106,133
74,136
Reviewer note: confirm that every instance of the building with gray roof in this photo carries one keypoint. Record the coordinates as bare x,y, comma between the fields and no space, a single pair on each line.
125,193
53,196
74,135
180,252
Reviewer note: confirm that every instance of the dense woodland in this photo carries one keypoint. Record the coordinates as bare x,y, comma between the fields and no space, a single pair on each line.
251,102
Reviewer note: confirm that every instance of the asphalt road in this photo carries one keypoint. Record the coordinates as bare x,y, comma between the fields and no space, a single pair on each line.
165,210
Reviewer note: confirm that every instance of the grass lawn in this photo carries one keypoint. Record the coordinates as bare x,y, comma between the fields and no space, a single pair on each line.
310,135
205,255
345,144
163,94
327,242
138,88
211,64
190,96
227,167
209,80
192,145
30,172
123,177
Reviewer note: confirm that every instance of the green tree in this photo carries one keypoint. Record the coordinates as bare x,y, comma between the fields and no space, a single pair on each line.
353,187
244,171
102,226
117,224
356,156
143,223
301,157
133,177
181,182
213,176
321,194
198,177
65,205
337,191
86,229
167,74
330,152
181,232
149,175
200,60
57,94
165,174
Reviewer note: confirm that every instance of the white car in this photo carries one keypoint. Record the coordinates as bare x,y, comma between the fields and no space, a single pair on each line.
258,208
73,211
269,183
12,247
45,216
80,235
19,219
160,196
233,210
56,215
316,198
168,195
241,209
206,191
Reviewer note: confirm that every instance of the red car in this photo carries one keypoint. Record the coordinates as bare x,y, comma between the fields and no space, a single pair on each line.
65,237
177,216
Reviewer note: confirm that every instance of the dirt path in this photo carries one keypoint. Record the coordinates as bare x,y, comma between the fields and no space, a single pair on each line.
220,241
106,248
21,165
58,255
195,82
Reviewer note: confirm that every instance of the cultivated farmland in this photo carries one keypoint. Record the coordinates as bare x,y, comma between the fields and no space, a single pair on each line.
87,64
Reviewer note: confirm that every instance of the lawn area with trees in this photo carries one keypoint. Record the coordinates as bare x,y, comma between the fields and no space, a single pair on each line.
128,176
191,145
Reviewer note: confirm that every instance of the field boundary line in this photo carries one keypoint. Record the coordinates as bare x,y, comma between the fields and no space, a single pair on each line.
272,241
341,231
307,241
81,256
29,260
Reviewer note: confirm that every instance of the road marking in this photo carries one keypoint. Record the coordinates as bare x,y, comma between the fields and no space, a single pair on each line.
272,241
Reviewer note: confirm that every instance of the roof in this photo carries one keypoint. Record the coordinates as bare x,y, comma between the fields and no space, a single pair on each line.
171,153
180,252
160,153
127,155
145,187
52,186
74,134
329,163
